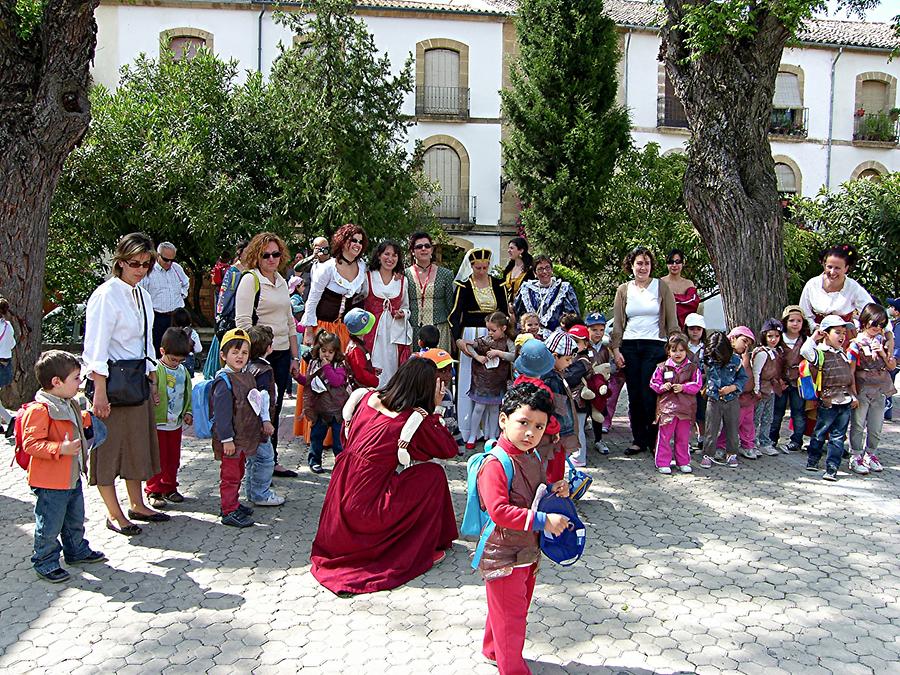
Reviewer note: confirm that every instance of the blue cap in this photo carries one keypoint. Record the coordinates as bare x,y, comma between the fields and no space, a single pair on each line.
595,319
359,322
535,360
565,548
893,302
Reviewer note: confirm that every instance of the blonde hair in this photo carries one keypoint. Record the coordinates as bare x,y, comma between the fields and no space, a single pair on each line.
131,246
525,317
253,252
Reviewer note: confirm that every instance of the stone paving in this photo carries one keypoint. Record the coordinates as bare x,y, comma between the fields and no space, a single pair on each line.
764,569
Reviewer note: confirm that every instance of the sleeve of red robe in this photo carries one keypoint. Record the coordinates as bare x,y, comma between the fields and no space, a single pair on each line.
432,441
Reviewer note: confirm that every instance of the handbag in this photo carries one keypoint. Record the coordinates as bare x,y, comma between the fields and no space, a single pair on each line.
127,384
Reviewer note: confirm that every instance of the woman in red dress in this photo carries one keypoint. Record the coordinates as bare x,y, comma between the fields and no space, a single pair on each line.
380,528
687,300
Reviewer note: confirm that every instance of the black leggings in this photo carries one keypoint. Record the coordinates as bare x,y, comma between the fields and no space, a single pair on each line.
281,365
641,358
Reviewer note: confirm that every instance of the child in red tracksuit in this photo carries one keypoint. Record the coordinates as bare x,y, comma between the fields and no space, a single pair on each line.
677,381
510,559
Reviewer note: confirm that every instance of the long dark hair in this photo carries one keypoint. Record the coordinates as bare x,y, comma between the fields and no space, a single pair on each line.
375,260
718,350
527,259
873,314
325,339
845,252
412,386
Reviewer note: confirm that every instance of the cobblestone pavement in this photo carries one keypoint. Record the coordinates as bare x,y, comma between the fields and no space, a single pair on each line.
764,569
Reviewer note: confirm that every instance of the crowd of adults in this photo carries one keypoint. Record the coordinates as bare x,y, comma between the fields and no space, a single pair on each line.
379,527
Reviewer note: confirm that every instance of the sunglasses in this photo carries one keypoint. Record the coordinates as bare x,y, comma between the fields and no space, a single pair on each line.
165,259
134,264
354,240
675,262
422,247
274,254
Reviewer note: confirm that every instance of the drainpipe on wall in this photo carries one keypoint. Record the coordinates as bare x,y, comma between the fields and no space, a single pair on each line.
831,122
259,39
625,58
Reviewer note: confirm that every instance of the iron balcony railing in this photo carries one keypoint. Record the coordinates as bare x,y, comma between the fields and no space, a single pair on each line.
442,101
670,113
789,121
882,127
451,209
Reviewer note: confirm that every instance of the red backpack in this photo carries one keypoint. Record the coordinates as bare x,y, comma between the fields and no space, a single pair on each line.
21,457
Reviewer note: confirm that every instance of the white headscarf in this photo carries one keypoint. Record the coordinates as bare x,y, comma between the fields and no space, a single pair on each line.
465,267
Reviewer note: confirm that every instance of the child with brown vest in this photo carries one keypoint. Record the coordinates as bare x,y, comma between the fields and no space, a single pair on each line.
767,363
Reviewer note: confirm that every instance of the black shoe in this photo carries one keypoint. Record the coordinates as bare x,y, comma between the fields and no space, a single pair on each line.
237,519
316,468
55,576
812,466
149,517
92,557
830,474
633,450
156,499
175,497
128,530
246,510
285,473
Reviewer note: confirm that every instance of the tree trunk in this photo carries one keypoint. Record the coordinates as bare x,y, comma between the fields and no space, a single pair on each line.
729,187
44,112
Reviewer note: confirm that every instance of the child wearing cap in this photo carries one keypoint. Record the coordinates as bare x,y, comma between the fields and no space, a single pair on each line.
796,330
563,348
742,340
236,427
768,368
837,396
447,408
725,378
575,376
359,323
510,560
695,326
871,361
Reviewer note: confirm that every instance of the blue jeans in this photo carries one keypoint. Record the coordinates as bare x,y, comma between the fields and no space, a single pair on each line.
258,473
791,397
317,438
58,512
831,424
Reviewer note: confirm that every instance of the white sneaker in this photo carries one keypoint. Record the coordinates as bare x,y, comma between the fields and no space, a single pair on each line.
769,450
665,470
872,463
272,500
749,453
857,465
686,469
601,447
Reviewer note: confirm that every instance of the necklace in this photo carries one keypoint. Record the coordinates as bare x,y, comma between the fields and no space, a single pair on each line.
423,285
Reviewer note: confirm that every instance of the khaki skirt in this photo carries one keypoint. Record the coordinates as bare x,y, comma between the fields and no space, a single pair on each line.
131,450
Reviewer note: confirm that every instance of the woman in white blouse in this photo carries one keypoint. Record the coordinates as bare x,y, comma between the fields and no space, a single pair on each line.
7,343
833,292
644,316
263,256
336,286
119,326
390,340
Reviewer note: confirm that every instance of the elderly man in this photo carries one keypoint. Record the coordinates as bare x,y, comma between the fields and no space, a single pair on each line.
320,254
546,296
168,286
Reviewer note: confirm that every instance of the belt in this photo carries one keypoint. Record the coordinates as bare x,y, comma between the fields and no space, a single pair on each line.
165,313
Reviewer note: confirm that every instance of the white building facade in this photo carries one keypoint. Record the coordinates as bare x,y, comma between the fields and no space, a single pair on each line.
836,100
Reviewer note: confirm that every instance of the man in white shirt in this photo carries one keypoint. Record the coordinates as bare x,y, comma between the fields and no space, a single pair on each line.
168,286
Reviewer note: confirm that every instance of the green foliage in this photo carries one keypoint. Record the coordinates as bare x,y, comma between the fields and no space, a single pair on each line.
865,214
29,13
565,130
577,281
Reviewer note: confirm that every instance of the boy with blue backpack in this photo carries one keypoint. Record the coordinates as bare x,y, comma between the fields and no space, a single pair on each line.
507,483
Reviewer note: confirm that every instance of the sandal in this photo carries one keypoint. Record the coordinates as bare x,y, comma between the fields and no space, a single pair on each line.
128,530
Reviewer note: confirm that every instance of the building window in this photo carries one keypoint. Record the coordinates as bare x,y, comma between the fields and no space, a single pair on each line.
870,170
669,111
787,181
875,118
185,42
446,164
442,78
788,114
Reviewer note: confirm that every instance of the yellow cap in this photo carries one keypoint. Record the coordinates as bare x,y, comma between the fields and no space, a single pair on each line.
235,334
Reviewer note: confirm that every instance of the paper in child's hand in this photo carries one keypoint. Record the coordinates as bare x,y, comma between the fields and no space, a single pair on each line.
255,398
492,363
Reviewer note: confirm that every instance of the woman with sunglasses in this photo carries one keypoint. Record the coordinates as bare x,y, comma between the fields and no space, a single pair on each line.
263,299
336,286
431,290
687,299
118,327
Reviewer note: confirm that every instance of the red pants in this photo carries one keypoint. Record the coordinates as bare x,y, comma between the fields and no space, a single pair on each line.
556,465
746,430
508,599
231,474
166,480
680,430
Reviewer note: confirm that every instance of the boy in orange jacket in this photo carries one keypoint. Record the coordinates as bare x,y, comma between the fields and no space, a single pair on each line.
53,434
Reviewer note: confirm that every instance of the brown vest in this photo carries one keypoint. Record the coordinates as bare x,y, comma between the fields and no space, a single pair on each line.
257,369
792,361
246,423
872,374
507,548
772,370
836,377
670,405
747,399
330,402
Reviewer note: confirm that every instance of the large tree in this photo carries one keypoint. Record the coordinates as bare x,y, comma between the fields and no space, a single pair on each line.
45,50
722,57
565,129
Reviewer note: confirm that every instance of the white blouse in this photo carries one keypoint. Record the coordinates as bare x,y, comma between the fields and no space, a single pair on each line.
325,275
815,300
7,339
642,312
114,328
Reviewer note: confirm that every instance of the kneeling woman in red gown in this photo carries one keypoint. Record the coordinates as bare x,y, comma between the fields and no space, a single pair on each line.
382,524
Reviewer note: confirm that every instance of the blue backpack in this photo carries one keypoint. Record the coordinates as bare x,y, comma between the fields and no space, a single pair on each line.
202,405
476,521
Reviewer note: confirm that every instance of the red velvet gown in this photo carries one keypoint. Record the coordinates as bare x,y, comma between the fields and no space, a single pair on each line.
380,529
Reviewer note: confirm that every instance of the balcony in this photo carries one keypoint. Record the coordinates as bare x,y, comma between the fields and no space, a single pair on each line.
448,102
455,209
670,113
789,122
876,128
